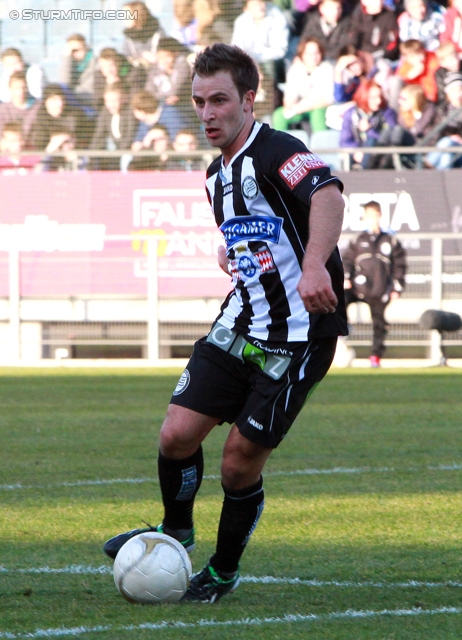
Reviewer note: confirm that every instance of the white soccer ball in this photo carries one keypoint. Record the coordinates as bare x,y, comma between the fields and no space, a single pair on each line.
151,568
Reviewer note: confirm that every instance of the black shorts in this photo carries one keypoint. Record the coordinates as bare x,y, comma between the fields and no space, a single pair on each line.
219,384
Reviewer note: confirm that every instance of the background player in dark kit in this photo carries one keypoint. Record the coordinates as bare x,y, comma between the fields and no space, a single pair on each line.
280,212
375,267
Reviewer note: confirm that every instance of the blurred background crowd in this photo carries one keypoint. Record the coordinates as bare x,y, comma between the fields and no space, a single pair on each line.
355,73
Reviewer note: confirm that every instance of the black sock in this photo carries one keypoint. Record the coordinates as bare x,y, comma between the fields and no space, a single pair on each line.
239,516
179,482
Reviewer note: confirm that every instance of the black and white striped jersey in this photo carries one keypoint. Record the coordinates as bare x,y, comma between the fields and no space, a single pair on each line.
261,202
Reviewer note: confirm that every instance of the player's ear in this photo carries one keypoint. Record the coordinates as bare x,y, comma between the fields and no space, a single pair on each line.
248,100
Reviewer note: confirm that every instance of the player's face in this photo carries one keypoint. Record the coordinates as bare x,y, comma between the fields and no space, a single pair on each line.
226,118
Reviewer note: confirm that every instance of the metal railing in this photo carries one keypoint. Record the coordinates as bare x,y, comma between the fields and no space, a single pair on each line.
207,156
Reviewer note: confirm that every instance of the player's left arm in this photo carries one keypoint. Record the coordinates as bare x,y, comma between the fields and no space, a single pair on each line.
325,224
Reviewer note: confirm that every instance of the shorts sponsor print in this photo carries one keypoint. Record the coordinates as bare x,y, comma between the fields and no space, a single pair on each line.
231,389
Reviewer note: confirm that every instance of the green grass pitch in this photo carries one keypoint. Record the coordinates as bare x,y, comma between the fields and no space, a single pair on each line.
361,537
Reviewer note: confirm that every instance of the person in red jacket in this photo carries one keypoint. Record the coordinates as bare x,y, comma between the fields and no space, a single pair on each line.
418,66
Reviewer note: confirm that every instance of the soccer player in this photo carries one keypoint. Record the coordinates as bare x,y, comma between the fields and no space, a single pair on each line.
280,212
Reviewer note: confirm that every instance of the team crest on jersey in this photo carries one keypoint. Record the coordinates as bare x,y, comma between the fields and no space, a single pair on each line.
248,266
250,188
298,166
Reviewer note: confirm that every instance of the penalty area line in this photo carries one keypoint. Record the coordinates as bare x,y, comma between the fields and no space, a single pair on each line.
269,474
350,614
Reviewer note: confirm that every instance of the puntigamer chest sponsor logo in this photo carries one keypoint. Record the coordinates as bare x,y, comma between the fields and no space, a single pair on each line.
251,228
298,166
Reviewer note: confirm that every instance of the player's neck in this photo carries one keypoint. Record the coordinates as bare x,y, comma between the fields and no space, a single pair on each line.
229,152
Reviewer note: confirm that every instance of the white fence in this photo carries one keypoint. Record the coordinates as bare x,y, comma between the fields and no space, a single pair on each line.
154,325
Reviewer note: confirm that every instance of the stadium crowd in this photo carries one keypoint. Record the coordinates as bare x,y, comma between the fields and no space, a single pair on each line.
377,72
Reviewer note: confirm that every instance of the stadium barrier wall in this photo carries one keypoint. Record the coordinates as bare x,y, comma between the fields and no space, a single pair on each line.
128,261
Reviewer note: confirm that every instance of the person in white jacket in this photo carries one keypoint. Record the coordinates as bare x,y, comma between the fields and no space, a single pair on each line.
262,31
309,89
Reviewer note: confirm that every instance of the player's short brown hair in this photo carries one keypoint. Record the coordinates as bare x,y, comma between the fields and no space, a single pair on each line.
225,57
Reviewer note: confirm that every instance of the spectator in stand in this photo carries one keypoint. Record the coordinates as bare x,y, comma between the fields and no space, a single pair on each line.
113,67
421,21
375,29
63,141
21,108
169,81
55,114
142,34
78,67
11,146
185,23
329,27
308,91
157,139
185,141
418,66
417,117
451,135
368,123
350,69
115,128
261,30
215,20
12,61
450,62
149,112
452,31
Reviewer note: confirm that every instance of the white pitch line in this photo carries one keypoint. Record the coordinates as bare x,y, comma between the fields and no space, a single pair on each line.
269,474
350,614
74,569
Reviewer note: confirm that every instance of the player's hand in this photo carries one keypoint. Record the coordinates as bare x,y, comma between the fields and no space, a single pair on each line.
394,295
315,289
347,284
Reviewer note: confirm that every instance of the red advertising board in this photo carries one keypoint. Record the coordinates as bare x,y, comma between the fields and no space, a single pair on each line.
60,224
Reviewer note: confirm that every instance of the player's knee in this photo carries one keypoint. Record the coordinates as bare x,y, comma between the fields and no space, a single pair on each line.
238,471
174,442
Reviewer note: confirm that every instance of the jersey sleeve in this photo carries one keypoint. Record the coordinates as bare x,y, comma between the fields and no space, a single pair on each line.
296,169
